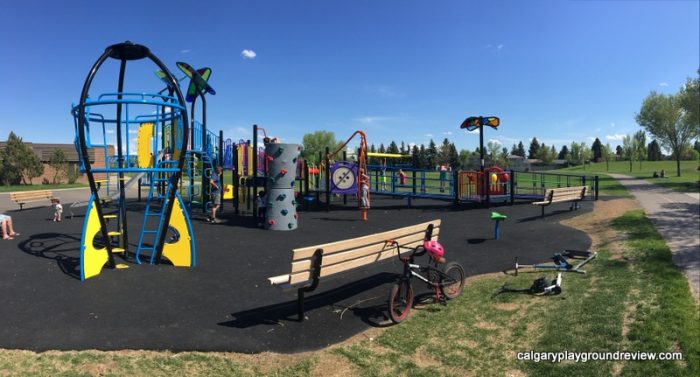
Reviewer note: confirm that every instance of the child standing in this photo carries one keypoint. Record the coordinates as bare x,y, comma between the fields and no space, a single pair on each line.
57,209
364,191
402,177
261,203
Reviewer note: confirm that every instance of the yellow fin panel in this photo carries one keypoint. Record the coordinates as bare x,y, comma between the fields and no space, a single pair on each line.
93,259
179,253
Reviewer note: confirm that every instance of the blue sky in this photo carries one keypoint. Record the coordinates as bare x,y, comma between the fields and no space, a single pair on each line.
561,71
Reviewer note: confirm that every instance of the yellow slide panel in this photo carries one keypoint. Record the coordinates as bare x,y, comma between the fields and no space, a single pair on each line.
143,146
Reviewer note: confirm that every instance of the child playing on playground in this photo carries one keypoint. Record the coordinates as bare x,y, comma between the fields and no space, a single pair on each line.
383,173
365,191
215,194
57,209
8,231
402,177
261,203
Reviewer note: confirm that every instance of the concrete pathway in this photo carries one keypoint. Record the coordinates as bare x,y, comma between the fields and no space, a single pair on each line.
676,216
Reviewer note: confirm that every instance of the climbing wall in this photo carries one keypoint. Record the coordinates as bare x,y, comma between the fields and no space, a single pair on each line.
281,204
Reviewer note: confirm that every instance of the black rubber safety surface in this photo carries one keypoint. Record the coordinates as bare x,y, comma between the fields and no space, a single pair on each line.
225,303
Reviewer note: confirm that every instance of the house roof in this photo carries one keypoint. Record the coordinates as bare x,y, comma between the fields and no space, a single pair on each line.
45,150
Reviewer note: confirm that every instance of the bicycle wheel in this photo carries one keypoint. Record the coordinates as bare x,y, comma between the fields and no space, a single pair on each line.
452,280
400,300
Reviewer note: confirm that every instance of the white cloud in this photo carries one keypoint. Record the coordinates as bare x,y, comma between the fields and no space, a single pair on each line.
428,135
663,84
447,133
474,131
411,144
372,119
495,141
591,138
616,137
248,54
612,124
185,51
495,48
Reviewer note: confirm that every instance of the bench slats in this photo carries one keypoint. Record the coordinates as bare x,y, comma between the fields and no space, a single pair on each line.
345,255
29,195
305,276
563,194
333,247
329,260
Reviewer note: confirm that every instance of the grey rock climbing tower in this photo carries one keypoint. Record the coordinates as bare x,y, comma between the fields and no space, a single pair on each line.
281,174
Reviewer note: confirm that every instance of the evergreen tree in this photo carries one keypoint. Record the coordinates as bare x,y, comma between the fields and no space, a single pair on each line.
423,157
534,148
618,151
431,155
403,147
654,151
415,157
444,153
563,153
381,148
19,162
597,150
514,150
453,160
521,149
393,148
372,149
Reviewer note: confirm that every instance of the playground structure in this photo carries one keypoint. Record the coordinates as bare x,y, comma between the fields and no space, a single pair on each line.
147,115
281,205
204,152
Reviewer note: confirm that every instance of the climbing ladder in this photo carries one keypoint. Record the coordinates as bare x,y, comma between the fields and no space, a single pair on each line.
154,214
194,175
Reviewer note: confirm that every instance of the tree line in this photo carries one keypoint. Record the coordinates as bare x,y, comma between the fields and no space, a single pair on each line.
20,165
634,148
672,120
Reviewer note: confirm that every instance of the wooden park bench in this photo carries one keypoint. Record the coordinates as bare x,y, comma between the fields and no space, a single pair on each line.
563,195
23,197
311,263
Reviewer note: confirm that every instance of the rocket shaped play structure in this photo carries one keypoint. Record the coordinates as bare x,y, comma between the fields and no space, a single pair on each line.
281,174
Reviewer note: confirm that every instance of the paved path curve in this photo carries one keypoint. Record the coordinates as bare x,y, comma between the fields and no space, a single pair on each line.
676,216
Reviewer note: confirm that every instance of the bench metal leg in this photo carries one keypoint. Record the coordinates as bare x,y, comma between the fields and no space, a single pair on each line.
542,211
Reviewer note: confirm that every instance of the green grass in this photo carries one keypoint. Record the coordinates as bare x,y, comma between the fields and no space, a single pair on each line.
630,301
609,186
687,182
15,188
636,303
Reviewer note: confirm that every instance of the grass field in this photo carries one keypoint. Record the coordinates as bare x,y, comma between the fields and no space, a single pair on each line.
632,299
40,187
687,182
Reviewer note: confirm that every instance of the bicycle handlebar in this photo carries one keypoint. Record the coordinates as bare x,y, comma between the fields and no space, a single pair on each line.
414,253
